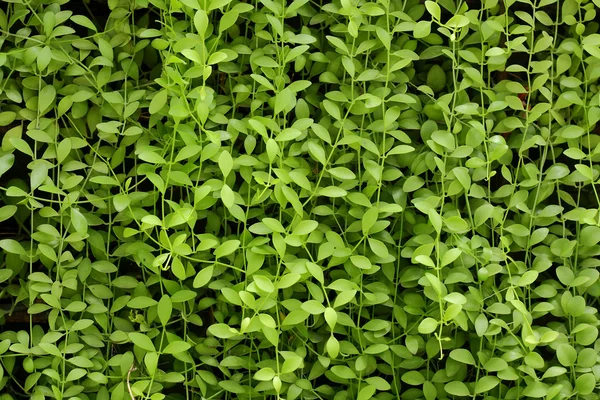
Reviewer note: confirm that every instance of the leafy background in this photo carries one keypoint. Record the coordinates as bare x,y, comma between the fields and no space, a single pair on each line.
307,199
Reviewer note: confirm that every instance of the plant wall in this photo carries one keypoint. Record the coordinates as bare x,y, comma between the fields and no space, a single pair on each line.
307,199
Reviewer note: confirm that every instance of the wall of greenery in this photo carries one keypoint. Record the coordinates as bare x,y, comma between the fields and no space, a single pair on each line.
307,199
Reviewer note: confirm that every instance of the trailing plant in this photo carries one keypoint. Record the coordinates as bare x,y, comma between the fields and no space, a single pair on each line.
224,199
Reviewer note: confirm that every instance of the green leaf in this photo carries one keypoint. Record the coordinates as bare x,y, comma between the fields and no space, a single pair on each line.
84,21
264,284
369,219
227,248
78,221
222,331
203,277
585,384
227,196
339,44
46,97
284,100
433,8
225,163
228,20
158,101
12,246
413,378
7,212
457,388
176,347
332,191
361,262
7,117
121,202
463,356
6,162
317,152
566,354
333,347
427,326
343,372
201,22
295,317
264,374
332,109
216,57
141,302
165,308
485,384
142,341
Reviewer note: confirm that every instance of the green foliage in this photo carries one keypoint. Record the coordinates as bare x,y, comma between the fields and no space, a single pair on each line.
224,199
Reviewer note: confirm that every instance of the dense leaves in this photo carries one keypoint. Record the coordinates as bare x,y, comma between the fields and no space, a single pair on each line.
223,199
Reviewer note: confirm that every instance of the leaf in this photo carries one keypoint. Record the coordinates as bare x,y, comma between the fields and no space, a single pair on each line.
142,341
343,372
332,191
83,21
366,393
284,100
463,356
585,384
264,284
164,310
141,302
361,262
225,163
222,331
378,247
121,202
369,219
339,44
433,8
38,175
158,101
227,248
201,22
414,378
78,221
227,20
176,347
317,152
427,326
332,109
342,173
63,150
6,162
203,277
295,317
485,384
227,196
264,374
272,149
333,347
150,156
566,354
46,97
178,268
7,117
81,324
305,227
7,212
216,57
457,388
313,307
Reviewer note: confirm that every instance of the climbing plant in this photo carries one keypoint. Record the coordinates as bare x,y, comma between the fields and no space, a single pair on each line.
307,199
